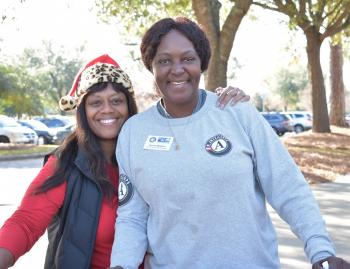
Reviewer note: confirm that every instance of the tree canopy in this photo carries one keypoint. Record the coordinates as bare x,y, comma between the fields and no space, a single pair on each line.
220,20
289,84
137,15
34,82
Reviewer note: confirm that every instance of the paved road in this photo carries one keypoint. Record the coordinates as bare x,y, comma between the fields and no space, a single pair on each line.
15,177
334,200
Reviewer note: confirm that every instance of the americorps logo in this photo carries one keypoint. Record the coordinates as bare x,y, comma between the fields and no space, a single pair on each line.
218,145
125,190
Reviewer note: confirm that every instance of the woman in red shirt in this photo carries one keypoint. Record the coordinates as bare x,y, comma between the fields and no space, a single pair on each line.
104,98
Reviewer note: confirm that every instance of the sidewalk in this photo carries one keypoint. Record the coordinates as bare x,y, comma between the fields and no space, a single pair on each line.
334,201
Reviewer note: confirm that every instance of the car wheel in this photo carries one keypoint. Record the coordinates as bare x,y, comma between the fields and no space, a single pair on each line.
41,140
4,139
298,129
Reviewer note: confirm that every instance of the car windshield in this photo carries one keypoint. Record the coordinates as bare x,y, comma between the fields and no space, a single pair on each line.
35,124
56,122
9,122
53,123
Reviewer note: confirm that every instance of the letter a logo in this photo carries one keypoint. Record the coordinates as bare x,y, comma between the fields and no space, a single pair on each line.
218,145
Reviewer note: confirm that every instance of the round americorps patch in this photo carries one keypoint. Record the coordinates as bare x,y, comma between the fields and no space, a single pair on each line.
218,145
125,190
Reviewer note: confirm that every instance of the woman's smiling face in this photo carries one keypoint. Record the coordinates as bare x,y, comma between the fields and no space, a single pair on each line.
106,112
177,70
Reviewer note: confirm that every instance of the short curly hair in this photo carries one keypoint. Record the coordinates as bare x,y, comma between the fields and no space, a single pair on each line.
190,29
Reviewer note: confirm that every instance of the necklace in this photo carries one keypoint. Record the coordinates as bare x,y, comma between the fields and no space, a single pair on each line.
168,116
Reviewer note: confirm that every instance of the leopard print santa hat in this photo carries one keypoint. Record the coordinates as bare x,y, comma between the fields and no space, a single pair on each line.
101,69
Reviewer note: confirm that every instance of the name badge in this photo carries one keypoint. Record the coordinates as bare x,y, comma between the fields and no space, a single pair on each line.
155,142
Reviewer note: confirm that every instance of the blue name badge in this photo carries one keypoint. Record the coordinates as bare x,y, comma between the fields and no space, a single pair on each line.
156,142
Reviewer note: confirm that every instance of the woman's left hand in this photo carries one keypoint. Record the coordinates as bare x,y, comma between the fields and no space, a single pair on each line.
331,263
231,95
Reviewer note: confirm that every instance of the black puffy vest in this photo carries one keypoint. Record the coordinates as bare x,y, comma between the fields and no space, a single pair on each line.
73,230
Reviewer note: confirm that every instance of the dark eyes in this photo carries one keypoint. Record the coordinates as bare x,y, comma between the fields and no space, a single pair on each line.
189,59
163,61
114,101
168,61
95,103
117,101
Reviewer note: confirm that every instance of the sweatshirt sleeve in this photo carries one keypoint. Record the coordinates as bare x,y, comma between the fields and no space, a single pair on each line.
285,187
20,232
130,240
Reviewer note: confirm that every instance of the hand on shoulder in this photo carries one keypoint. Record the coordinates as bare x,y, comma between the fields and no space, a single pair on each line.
230,95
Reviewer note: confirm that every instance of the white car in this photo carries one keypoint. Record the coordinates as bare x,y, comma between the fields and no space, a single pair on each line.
12,132
347,119
56,123
302,120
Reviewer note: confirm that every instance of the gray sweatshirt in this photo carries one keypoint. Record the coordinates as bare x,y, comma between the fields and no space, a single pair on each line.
204,205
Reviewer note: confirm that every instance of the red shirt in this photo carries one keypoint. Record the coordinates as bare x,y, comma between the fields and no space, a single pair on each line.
20,232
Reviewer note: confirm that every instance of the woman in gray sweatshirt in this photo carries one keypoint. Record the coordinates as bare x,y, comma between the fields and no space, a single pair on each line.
194,179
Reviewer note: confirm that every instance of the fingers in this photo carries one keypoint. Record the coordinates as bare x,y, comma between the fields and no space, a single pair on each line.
225,95
219,91
240,97
236,95
230,95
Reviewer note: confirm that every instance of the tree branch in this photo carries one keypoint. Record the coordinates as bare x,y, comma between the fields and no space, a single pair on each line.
302,6
321,4
337,27
202,11
265,6
230,27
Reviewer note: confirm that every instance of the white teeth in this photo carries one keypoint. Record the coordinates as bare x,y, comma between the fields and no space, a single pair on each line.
107,121
178,83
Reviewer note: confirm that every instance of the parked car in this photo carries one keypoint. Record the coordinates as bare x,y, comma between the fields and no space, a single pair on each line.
56,123
347,119
12,132
62,134
45,134
302,120
279,122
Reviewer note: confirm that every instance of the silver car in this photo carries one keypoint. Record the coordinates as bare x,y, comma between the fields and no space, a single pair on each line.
12,132
302,120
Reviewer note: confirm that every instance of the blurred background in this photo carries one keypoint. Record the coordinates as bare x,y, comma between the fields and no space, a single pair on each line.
291,57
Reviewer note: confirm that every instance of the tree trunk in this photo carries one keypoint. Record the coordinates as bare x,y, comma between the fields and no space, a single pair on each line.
319,101
337,98
216,75
221,41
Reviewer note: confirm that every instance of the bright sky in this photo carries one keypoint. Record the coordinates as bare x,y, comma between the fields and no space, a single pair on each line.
70,23
67,22
259,45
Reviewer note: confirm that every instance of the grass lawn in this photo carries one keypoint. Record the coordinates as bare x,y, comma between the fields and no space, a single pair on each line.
22,149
